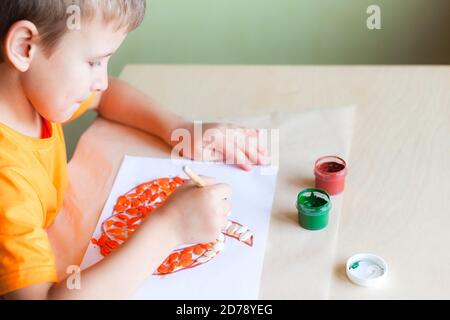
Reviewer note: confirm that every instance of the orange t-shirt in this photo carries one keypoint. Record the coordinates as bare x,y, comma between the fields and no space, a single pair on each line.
33,179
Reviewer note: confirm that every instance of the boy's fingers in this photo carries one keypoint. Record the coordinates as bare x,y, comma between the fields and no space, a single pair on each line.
245,167
264,158
226,208
251,156
231,152
263,151
252,151
234,155
251,132
208,180
212,154
224,221
221,190
241,160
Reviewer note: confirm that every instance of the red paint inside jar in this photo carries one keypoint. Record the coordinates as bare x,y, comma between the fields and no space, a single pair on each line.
330,174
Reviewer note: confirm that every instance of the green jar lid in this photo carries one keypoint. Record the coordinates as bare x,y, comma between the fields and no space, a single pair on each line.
313,206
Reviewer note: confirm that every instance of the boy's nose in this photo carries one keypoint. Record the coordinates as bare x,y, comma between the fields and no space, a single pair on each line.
100,83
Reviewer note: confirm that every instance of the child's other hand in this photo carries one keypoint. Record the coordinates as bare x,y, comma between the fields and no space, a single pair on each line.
198,214
231,144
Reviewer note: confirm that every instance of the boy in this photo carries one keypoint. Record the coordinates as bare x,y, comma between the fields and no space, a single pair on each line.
49,74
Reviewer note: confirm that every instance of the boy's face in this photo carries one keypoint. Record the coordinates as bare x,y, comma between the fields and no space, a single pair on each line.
56,86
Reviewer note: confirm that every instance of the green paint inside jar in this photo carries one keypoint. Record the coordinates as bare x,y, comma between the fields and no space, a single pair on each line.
313,206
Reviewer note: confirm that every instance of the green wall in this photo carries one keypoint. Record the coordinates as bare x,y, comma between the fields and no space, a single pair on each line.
283,32
288,32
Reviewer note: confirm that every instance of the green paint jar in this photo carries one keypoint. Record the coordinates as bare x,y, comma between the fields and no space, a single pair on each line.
313,206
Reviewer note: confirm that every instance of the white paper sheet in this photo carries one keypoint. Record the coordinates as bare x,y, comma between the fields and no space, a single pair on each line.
236,272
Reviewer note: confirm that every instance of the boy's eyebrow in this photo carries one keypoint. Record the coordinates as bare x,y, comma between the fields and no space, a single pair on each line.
104,55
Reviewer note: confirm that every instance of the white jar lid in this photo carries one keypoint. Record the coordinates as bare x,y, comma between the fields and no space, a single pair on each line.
367,270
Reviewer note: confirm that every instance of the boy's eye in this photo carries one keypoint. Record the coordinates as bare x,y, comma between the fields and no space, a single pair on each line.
95,63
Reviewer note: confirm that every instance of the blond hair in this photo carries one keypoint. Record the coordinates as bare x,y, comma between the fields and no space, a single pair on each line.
50,16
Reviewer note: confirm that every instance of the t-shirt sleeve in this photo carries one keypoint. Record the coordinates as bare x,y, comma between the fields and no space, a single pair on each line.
26,256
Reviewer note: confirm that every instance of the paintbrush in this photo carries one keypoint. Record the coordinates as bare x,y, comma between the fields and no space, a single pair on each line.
196,179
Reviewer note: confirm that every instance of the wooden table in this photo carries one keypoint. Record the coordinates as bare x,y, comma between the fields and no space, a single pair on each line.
397,202
397,197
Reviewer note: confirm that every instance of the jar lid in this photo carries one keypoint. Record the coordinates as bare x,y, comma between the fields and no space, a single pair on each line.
366,269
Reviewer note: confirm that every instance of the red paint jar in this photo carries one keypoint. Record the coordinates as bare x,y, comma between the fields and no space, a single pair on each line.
330,172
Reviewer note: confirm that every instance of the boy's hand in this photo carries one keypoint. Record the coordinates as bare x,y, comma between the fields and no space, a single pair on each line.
220,142
228,143
198,215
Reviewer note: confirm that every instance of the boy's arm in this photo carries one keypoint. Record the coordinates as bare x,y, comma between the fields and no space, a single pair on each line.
125,104
121,273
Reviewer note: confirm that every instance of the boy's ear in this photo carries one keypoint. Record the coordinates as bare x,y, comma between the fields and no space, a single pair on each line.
20,44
